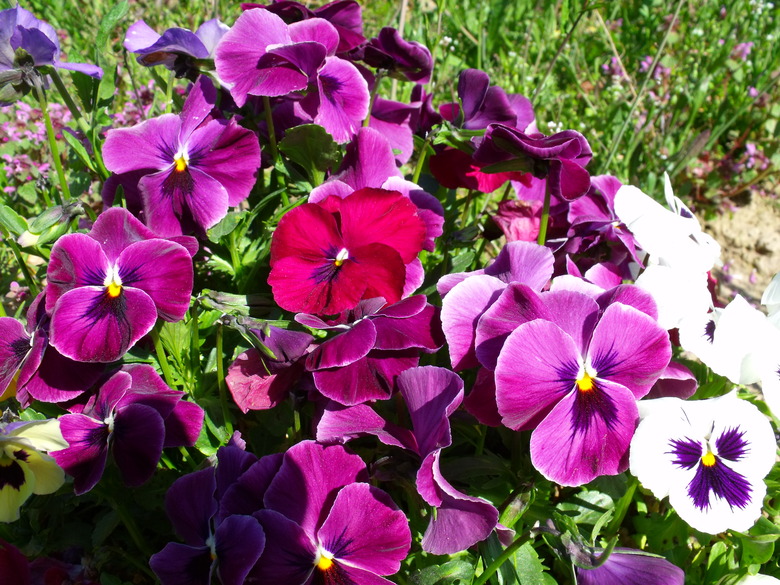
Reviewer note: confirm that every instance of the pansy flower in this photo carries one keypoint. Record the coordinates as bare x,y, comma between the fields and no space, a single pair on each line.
630,567
133,415
323,524
573,371
262,55
25,44
24,467
400,58
709,456
327,256
183,172
178,49
105,294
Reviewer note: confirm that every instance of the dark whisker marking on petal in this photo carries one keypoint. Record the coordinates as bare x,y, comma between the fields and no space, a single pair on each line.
722,481
731,444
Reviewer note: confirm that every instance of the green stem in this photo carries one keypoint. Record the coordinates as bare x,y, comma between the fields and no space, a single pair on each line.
169,93
69,102
194,352
545,215
269,122
420,163
640,94
221,381
161,357
234,259
55,153
502,558
377,80
28,277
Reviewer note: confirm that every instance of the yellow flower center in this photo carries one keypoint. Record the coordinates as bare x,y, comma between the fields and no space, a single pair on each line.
708,460
340,257
114,290
181,164
324,563
585,384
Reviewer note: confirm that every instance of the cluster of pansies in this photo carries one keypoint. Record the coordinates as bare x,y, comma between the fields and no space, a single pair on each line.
568,341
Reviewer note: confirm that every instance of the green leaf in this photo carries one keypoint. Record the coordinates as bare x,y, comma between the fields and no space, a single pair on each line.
108,24
529,567
587,507
451,572
104,527
12,221
175,338
229,223
79,149
311,147
220,264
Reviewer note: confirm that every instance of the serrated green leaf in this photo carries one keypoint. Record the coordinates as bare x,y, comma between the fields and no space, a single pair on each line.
220,264
110,20
175,337
528,566
12,221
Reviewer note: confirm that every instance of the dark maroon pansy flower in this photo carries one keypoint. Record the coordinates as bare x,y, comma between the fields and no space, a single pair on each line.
400,58
560,158
326,257
133,415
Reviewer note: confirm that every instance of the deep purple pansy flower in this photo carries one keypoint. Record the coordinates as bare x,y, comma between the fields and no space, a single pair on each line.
709,456
327,256
214,546
400,58
134,415
27,43
560,158
323,524
573,371
178,49
262,55
185,171
631,567
32,368
431,395
105,294
374,344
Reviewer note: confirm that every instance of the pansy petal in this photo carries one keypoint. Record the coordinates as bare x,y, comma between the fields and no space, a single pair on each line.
393,219
369,378
307,230
177,201
128,149
289,555
139,433
239,542
233,160
421,330
90,326
190,504
481,400
339,424
85,458
631,568
586,435
460,521
365,529
179,564
308,480
15,344
16,485
523,262
245,494
517,304
461,309
183,425
538,367
163,270
76,260
345,348
368,161
431,394
630,348
344,98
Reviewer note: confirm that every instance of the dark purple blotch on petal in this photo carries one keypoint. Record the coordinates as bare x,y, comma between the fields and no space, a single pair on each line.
722,481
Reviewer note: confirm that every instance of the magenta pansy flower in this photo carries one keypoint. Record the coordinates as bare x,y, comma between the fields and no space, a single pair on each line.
104,295
262,55
400,58
573,371
631,567
323,524
326,257
134,415
184,172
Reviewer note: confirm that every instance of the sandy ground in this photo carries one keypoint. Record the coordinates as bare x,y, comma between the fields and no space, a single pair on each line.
750,242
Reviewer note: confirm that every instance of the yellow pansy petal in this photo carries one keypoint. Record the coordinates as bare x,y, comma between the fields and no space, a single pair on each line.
48,475
44,435
16,485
